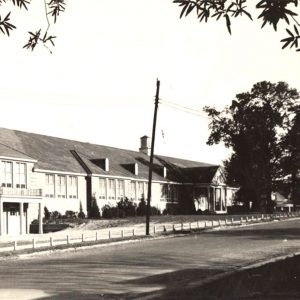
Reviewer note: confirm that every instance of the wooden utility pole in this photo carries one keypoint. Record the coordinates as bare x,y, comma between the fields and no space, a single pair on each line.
148,210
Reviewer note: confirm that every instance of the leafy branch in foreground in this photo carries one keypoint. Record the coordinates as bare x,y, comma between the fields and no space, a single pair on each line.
271,12
53,8
35,38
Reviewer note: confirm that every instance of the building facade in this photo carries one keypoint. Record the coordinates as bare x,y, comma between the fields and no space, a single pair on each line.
40,171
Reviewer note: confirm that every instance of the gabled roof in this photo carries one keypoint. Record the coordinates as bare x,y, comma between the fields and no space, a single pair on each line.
55,154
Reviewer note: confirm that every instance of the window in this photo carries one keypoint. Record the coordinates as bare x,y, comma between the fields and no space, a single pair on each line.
72,187
163,192
140,190
120,189
61,186
132,191
111,189
6,173
102,188
49,187
20,175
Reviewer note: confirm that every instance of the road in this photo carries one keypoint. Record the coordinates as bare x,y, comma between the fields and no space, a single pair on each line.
156,269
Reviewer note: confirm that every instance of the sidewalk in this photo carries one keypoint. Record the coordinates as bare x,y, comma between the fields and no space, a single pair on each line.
71,236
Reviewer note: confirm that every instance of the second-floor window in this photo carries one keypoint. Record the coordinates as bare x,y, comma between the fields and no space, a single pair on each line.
61,186
20,175
49,187
6,174
72,187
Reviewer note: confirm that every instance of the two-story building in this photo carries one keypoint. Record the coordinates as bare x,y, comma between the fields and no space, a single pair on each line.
38,171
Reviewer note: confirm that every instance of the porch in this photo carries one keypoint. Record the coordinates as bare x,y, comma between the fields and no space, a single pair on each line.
17,207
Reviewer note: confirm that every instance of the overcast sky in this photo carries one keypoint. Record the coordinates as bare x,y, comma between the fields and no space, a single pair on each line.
99,84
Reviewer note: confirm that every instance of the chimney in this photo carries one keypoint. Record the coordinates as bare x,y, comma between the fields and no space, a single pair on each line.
145,145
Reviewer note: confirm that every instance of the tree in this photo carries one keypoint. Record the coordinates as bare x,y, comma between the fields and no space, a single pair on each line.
254,126
52,7
271,12
290,162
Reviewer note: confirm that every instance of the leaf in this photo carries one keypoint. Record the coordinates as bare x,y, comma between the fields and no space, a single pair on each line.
228,23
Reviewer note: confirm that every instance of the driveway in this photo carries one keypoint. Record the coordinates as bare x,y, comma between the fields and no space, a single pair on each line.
154,269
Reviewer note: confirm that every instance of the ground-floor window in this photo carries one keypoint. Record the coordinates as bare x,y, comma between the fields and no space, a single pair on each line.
102,188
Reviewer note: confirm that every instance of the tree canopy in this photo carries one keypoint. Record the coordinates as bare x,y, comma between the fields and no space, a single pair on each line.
270,12
255,127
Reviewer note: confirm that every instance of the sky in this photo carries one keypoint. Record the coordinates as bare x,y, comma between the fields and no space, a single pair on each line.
98,85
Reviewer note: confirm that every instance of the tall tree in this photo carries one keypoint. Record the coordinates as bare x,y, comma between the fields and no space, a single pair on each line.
270,12
254,127
290,162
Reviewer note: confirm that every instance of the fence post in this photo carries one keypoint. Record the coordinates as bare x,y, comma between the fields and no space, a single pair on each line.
219,223
82,237
15,245
68,240
33,243
51,241
205,225
165,229
190,226
173,227
181,226
122,233
132,231
96,236
231,221
109,234
154,229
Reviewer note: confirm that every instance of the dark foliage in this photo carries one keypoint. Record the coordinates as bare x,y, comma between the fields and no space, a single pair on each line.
254,127
94,212
46,213
271,12
127,207
81,214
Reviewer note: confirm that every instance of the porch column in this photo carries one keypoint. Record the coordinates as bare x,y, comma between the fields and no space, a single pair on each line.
21,210
40,219
208,198
214,199
1,216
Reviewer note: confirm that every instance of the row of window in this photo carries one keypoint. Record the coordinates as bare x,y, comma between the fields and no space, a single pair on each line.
13,175
114,189
61,186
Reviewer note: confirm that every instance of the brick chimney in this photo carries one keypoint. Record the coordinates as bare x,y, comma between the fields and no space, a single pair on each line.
145,145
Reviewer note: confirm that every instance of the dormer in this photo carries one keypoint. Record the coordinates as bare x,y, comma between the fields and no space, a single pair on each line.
103,163
133,168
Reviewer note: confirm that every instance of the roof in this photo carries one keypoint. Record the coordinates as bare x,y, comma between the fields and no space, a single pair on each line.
57,154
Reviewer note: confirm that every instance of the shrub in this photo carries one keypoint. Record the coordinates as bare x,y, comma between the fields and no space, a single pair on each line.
94,211
81,214
127,208
142,208
46,213
110,212
155,211
69,214
55,215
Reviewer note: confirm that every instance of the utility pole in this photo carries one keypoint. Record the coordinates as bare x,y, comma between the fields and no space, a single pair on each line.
148,210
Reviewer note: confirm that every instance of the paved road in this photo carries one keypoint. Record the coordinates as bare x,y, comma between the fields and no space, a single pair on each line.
155,269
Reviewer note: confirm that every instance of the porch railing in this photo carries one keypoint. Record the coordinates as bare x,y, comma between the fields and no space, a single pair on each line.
21,192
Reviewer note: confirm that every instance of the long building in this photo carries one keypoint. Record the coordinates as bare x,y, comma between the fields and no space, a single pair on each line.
40,171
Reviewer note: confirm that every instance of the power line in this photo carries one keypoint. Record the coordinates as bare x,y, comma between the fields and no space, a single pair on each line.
183,108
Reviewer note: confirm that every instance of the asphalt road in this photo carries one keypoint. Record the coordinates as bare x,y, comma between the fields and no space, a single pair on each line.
156,269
